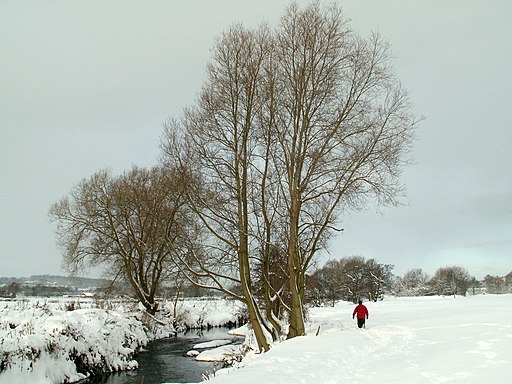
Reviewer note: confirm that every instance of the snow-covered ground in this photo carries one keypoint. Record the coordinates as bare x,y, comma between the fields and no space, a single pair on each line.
62,340
42,343
466,340
201,313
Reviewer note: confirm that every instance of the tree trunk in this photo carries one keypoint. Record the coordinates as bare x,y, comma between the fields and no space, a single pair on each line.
257,324
252,308
245,274
297,327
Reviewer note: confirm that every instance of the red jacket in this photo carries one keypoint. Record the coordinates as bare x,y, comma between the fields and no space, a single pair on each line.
361,311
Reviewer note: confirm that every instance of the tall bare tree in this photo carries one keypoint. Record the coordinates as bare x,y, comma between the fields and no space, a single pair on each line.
342,126
132,225
293,127
218,150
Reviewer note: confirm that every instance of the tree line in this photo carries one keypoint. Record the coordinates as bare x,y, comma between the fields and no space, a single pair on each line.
452,280
294,126
354,278
351,279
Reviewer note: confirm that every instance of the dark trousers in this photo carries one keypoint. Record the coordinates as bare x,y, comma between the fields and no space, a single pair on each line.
360,322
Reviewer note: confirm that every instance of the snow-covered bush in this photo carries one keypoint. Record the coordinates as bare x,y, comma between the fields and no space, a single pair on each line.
64,341
200,313
66,346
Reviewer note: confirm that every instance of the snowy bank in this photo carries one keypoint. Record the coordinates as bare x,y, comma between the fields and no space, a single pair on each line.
48,345
225,353
466,340
60,340
206,313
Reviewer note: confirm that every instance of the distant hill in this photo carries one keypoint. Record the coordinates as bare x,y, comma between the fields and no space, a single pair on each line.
57,281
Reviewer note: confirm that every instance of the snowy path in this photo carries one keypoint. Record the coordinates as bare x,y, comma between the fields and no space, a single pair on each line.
408,340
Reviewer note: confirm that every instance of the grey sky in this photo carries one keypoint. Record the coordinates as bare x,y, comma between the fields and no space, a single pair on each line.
86,85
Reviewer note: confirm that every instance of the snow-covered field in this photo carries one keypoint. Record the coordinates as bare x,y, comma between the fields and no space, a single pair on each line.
466,340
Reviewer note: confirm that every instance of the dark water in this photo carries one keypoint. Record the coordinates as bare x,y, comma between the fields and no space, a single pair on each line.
165,361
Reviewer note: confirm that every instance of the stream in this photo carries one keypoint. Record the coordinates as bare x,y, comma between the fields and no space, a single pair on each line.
165,361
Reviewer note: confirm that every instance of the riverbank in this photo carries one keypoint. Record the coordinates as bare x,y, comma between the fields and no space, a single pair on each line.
57,341
169,360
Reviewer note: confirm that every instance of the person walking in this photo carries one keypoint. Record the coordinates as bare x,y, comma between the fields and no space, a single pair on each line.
362,314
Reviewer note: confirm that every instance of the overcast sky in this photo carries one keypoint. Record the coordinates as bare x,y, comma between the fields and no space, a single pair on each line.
86,85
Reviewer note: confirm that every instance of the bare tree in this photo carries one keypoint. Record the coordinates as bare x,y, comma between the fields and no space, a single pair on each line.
292,127
219,149
413,283
494,284
328,282
452,280
342,128
508,279
378,279
353,278
131,225
13,289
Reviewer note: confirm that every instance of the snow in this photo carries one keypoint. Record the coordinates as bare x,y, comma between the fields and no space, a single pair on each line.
63,340
39,342
201,313
241,331
223,353
465,340
216,351
212,344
